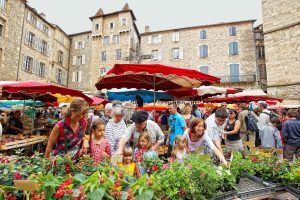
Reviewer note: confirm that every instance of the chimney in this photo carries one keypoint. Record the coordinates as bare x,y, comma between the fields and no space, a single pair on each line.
147,29
43,15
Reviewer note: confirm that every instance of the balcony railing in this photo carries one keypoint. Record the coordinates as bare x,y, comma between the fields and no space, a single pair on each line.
238,79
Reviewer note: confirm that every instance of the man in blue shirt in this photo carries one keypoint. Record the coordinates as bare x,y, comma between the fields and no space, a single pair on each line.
177,126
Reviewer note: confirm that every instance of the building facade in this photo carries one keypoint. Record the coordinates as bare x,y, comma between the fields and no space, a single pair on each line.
225,50
11,28
282,41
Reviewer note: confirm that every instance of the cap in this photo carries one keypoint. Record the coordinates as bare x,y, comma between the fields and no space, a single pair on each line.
108,106
139,116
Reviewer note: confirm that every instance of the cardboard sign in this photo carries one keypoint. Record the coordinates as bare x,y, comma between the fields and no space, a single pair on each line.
26,185
115,159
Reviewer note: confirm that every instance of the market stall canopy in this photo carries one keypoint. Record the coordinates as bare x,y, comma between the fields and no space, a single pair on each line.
242,99
150,107
153,76
20,102
25,96
98,100
201,92
130,95
35,89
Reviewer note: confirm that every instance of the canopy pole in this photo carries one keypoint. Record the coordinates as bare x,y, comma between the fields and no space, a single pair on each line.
154,96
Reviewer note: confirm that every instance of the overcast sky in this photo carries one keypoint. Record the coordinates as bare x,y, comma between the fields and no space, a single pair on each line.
73,15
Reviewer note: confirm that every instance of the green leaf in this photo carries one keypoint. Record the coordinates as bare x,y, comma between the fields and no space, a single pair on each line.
97,194
49,191
146,195
80,177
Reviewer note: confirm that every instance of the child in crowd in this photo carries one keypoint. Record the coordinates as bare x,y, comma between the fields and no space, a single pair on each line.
128,166
143,150
99,146
180,149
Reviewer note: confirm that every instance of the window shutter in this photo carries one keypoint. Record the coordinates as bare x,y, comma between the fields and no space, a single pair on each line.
24,62
74,60
33,67
36,43
28,16
173,37
206,50
231,48
73,77
83,59
83,44
181,53
49,33
178,37
26,37
48,50
201,51
38,25
76,45
80,76
236,48
159,55
46,70
159,39
149,40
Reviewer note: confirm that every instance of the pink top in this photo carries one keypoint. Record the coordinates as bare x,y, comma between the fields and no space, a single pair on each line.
97,150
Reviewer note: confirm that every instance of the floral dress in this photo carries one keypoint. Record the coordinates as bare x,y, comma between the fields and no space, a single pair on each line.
98,150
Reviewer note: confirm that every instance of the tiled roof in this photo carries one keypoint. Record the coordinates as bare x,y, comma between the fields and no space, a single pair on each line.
80,33
202,26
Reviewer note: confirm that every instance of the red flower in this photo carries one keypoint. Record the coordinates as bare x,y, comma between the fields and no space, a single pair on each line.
117,183
155,168
18,175
59,193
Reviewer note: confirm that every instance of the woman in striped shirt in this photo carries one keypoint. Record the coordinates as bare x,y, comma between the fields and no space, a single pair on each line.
115,129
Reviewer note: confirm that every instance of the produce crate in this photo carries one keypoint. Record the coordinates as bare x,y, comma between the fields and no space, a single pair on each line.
293,191
9,145
226,196
251,186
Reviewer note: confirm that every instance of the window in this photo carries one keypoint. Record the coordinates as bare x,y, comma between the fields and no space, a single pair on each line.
259,36
79,45
116,39
203,34
45,29
203,49
77,76
156,39
118,54
32,19
175,53
262,71
232,31
106,40
154,54
60,57
96,26
62,39
27,63
2,4
44,47
102,71
31,39
261,52
175,37
103,56
124,22
111,25
58,75
42,70
203,69
234,72
1,30
233,48
79,60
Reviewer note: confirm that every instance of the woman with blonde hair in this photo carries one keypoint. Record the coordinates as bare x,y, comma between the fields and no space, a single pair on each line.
67,135
187,114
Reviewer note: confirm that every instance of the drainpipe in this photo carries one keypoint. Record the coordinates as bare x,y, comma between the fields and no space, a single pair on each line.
24,18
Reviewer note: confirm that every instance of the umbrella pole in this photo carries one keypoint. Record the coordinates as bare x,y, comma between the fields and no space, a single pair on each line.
154,97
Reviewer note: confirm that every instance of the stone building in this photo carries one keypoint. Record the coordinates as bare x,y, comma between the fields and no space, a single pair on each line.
260,56
281,21
114,37
11,27
44,50
225,50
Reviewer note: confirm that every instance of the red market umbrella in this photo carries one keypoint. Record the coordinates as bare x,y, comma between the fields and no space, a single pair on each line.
152,76
97,100
201,92
35,89
23,96
151,107
241,99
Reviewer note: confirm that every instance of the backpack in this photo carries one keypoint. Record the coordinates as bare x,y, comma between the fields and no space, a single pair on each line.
251,122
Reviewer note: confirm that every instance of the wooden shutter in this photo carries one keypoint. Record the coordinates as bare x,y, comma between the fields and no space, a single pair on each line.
83,44
76,45
149,40
24,62
80,76
33,70
159,39
48,50
64,77
28,16
74,60
159,56
26,36
83,59
181,53
73,76
173,37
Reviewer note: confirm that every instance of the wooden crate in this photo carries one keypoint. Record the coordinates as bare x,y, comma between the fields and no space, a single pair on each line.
9,145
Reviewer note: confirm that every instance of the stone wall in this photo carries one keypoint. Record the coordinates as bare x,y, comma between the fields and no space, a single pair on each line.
12,18
218,59
282,41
